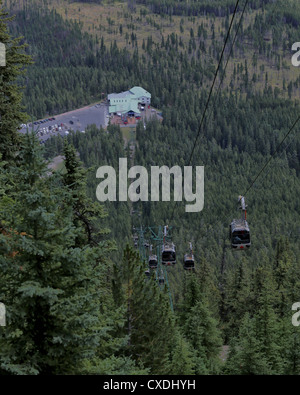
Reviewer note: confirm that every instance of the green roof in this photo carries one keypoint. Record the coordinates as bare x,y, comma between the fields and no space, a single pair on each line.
123,108
138,92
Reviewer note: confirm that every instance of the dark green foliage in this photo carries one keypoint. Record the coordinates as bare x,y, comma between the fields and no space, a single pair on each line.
150,325
200,328
64,265
48,284
188,8
97,148
70,69
11,111
86,212
182,359
245,355
54,281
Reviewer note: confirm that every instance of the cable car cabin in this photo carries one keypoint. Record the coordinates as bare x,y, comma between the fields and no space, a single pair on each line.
240,234
168,256
147,273
189,262
161,280
152,261
135,240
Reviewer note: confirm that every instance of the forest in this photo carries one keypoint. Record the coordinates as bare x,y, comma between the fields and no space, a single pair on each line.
74,285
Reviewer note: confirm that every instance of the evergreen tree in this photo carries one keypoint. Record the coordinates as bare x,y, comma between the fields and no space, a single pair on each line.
151,327
237,297
11,110
86,213
182,360
57,309
200,328
202,333
245,355
267,330
208,285
283,276
289,343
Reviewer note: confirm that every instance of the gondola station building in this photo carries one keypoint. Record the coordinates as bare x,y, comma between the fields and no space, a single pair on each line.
129,103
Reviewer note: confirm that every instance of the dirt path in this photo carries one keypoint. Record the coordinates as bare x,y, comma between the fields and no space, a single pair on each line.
56,162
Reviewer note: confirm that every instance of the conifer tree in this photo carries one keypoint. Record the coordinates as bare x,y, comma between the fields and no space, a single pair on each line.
192,294
86,213
151,327
285,271
11,110
200,328
208,285
289,344
237,297
202,333
182,360
267,329
53,289
245,355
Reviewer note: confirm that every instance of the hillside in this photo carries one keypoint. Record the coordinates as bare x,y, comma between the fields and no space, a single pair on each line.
75,267
262,53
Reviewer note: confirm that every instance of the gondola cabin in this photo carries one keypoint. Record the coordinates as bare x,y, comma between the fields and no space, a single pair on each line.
161,280
189,262
152,262
135,240
240,234
147,273
168,256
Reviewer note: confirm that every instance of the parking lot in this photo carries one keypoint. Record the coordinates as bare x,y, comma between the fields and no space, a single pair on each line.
73,120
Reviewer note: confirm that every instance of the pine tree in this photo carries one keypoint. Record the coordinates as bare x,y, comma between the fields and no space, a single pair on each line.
11,110
245,356
267,330
191,293
237,297
284,276
199,327
289,346
151,327
87,214
208,285
202,333
57,314
182,361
